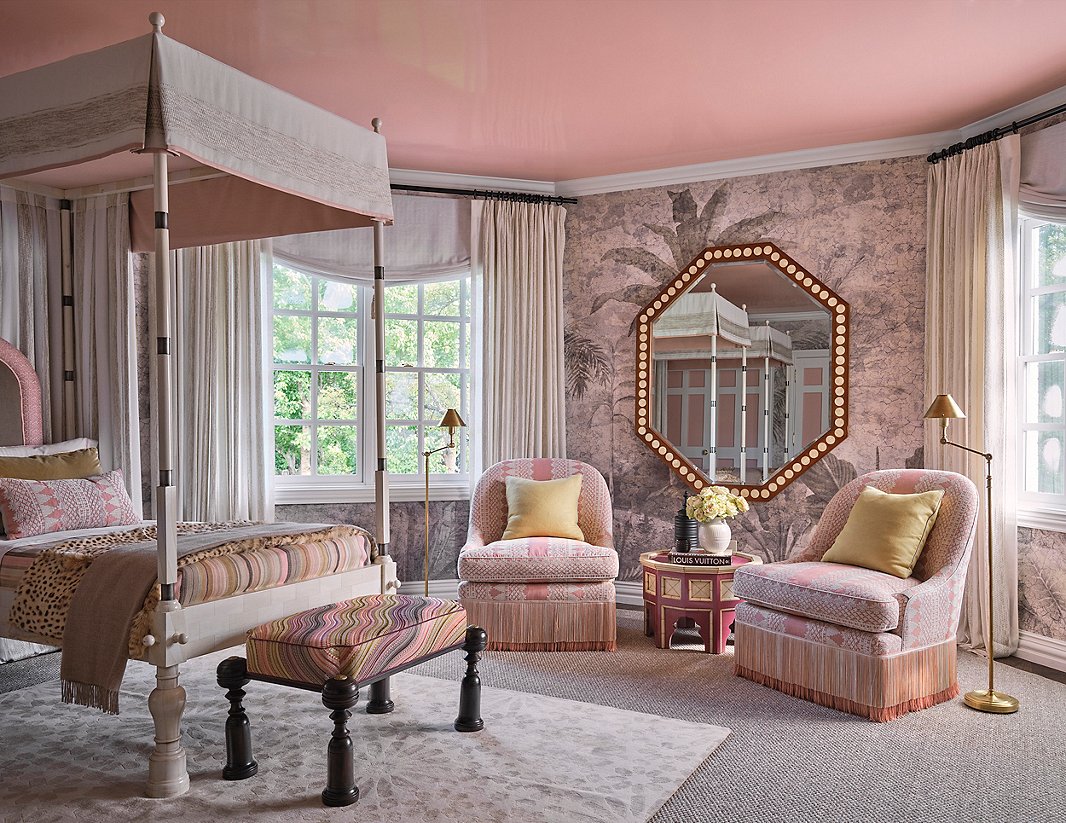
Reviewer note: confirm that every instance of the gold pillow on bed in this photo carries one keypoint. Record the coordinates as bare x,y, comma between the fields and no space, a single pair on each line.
73,465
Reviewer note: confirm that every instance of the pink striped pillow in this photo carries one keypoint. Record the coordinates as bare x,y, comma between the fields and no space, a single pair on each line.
32,507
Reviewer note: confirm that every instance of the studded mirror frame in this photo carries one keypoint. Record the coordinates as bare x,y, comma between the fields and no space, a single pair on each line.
839,312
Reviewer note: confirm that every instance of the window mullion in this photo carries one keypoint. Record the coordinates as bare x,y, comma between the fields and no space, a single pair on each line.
314,376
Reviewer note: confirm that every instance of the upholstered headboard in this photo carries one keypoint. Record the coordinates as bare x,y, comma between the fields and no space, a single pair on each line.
20,399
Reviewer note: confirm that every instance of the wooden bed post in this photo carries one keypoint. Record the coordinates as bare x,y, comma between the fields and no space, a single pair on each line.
381,472
168,775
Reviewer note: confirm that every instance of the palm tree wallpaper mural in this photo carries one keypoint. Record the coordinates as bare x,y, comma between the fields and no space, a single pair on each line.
849,224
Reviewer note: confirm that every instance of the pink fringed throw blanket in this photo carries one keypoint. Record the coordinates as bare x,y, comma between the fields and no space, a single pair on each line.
96,595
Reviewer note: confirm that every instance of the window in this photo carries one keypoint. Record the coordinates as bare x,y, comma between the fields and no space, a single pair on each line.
1043,376
323,387
427,369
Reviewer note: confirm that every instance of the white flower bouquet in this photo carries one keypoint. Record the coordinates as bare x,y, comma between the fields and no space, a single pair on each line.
715,503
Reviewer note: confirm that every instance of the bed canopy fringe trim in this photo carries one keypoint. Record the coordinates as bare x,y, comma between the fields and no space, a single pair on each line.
287,168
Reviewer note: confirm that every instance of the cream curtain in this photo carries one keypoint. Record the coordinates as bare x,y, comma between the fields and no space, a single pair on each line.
105,344
520,263
971,307
30,313
224,470
31,291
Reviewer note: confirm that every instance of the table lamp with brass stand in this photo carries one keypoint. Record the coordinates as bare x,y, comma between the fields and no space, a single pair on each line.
451,422
944,408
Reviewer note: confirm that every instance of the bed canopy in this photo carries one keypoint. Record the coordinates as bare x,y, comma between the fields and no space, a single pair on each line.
276,165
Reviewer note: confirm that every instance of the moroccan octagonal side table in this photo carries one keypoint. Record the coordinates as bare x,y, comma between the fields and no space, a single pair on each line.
702,594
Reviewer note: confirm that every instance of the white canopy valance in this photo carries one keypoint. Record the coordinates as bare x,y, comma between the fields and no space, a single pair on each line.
286,166
766,341
429,241
1043,173
705,313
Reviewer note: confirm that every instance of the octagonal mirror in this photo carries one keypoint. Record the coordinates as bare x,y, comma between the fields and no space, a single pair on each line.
742,370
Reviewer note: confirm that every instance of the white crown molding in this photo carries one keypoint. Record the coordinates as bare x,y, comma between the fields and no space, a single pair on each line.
763,164
1047,651
412,177
1004,118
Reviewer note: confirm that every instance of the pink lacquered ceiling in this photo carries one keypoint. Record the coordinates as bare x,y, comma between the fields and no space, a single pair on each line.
559,89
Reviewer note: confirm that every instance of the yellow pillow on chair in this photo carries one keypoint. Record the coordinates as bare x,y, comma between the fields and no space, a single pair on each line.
543,508
886,532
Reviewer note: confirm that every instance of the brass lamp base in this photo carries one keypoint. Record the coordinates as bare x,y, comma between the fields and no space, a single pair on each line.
991,701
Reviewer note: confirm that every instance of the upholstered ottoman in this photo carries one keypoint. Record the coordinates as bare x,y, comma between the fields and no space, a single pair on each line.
336,650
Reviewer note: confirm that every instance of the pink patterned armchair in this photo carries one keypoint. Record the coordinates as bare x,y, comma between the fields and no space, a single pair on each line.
858,640
540,593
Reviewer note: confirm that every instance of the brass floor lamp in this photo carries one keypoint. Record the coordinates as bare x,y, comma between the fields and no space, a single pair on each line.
944,408
452,421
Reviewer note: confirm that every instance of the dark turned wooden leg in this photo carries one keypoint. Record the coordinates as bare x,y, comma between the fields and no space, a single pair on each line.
379,701
469,719
340,695
233,675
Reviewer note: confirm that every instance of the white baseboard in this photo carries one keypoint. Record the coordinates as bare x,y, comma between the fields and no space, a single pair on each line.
628,591
444,589
1047,651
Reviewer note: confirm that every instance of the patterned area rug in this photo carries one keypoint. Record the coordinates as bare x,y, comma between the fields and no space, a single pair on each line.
538,759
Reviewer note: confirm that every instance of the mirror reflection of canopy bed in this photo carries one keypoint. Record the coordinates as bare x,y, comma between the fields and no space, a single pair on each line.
251,162
774,348
684,329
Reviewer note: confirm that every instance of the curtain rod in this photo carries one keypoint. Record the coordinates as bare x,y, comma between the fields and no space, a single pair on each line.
512,196
994,134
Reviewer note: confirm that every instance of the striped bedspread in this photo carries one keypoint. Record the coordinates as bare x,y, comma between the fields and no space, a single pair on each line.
213,578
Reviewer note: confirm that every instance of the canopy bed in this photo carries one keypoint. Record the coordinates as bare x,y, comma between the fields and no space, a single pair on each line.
249,161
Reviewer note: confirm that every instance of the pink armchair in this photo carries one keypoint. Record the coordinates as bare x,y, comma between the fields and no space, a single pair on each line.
540,593
858,640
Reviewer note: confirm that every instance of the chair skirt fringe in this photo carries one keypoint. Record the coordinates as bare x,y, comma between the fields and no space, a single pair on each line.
880,688
545,626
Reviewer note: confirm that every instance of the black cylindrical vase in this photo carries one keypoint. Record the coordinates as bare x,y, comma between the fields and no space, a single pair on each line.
686,530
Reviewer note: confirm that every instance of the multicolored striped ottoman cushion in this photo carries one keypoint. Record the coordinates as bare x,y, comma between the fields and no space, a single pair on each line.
359,638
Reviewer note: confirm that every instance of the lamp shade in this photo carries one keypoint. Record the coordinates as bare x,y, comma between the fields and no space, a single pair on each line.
944,408
452,420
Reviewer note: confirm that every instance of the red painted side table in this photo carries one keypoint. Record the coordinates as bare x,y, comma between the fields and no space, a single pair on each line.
703,594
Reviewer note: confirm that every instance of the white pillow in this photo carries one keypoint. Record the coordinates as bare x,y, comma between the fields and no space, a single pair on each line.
52,448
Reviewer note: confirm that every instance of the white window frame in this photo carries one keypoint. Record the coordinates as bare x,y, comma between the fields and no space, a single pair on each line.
359,488
1035,509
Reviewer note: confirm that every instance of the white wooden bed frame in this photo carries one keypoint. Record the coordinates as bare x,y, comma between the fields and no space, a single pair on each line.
179,634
